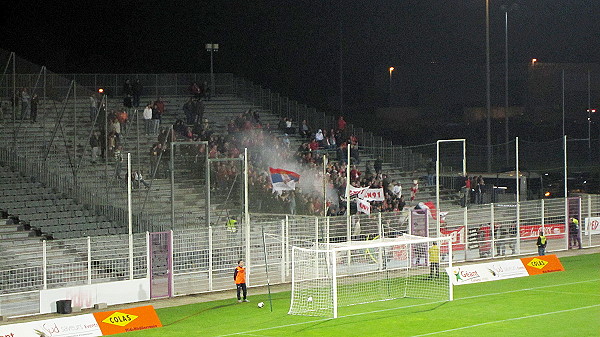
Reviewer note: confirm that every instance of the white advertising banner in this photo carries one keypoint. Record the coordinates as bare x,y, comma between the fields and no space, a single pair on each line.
592,225
72,326
484,272
85,296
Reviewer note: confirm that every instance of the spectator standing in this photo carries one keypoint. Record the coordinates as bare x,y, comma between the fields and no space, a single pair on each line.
188,110
147,115
541,244
378,165
198,111
207,92
239,277
127,93
414,189
93,106
574,237
434,261
136,92
479,189
25,103
430,172
155,120
123,117
127,87
95,145
118,161
160,106
341,124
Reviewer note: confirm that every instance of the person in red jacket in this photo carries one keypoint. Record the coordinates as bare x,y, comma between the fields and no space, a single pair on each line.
239,277
341,123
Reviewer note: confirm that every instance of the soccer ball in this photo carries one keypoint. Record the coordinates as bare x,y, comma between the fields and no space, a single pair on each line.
261,304
309,299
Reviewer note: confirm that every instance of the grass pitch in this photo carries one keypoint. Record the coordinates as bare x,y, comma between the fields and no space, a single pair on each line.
555,304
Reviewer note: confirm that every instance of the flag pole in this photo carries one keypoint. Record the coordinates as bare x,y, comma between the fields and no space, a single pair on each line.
324,185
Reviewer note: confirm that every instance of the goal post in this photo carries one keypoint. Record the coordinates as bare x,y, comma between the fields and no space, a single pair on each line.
408,267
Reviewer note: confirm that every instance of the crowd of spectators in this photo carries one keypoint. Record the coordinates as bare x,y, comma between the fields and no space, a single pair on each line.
265,142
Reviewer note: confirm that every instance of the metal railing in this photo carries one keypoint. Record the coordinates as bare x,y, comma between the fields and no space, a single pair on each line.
202,258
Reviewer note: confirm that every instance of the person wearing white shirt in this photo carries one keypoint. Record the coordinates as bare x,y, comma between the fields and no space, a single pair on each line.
397,190
148,119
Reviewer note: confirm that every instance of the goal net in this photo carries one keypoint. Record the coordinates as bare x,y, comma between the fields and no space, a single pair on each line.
328,276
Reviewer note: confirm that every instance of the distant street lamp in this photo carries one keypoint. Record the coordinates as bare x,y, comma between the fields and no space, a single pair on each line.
212,47
533,61
390,97
589,119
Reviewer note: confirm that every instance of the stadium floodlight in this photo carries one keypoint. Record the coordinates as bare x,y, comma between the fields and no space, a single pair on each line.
212,47
323,278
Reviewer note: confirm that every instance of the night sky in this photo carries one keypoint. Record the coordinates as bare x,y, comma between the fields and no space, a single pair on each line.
294,47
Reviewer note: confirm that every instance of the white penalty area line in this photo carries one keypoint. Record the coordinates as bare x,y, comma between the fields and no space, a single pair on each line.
250,332
507,320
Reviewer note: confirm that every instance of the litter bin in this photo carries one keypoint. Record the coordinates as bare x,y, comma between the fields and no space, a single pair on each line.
63,306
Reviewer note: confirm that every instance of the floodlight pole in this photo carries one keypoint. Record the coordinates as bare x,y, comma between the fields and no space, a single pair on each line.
487,82
589,117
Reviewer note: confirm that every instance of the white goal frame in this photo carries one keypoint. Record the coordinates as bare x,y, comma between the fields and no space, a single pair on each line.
319,273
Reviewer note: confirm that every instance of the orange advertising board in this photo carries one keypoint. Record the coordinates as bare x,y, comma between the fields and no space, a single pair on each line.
542,264
126,320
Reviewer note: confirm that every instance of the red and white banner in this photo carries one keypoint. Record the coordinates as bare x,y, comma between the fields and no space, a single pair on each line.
367,194
592,226
501,270
363,206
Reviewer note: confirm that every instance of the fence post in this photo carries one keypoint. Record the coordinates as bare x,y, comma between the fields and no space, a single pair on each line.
283,251
210,257
465,221
44,265
492,229
380,225
589,215
327,230
287,244
543,205
316,229
89,260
